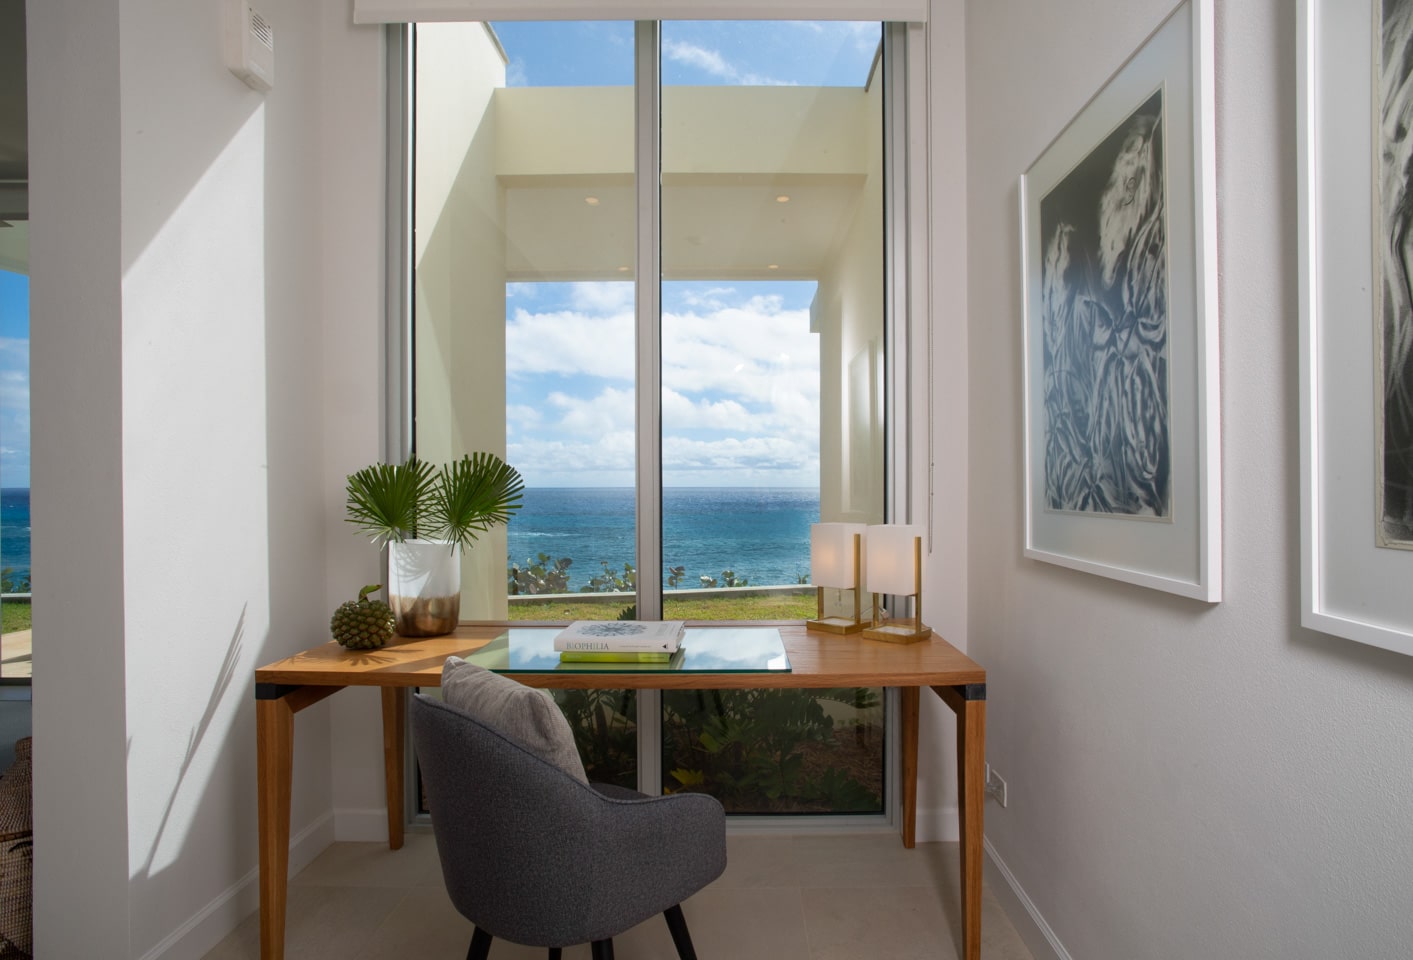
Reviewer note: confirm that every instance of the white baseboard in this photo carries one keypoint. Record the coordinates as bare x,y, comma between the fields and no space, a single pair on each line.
361,825
213,922
1025,916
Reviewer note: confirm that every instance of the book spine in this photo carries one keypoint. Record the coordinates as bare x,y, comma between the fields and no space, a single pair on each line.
580,656
616,645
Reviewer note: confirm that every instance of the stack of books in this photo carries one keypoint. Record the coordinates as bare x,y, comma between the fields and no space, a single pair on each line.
622,641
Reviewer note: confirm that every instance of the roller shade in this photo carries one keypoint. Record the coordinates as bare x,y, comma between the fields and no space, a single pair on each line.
423,11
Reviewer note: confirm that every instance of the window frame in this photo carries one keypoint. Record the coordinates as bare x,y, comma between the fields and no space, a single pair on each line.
907,351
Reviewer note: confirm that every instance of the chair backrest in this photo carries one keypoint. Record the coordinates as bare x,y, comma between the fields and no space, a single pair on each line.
512,830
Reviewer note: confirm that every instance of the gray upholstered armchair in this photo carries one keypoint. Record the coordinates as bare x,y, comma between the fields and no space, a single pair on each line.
532,855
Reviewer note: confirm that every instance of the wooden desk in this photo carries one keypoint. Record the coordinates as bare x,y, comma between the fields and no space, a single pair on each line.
287,686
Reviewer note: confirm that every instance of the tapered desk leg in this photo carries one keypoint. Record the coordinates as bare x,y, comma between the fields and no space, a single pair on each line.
275,707
274,752
908,704
394,737
969,704
971,787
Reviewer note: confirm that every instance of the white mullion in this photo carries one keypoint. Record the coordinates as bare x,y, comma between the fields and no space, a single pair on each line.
899,507
648,155
648,160
397,309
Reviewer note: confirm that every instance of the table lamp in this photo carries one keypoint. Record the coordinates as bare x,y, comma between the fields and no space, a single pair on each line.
835,561
894,553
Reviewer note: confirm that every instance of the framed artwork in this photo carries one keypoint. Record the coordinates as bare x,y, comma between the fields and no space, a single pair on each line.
1355,135
1122,413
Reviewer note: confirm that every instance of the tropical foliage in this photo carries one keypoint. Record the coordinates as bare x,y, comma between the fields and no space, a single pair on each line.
459,502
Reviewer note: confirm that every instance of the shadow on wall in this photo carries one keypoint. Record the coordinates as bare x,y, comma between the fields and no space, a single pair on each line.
197,738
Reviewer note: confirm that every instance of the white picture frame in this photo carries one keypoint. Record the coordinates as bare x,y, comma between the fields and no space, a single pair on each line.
1145,511
1350,586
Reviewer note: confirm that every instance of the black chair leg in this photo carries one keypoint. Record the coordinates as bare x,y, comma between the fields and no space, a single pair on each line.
480,945
681,939
601,950
554,953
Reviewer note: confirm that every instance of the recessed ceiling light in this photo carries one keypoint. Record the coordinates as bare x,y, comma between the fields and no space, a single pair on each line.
592,201
622,269
782,199
772,266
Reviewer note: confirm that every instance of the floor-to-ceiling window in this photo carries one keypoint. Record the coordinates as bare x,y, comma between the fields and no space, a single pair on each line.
765,305
15,641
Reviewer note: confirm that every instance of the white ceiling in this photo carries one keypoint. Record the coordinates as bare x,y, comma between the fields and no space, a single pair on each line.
713,227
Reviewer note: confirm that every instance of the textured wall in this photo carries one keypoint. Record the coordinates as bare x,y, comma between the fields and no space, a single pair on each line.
1185,780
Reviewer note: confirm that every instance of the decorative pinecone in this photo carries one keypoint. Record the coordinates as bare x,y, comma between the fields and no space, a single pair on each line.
363,624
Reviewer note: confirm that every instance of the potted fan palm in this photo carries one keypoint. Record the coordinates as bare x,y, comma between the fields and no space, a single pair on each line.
428,517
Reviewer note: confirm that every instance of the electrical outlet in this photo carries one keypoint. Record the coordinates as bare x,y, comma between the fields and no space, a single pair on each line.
996,786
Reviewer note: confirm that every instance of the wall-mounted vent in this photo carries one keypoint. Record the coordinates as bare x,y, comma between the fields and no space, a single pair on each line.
261,29
248,40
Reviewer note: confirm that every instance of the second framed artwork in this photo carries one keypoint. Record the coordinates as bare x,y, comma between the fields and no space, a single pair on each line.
1122,414
1355,163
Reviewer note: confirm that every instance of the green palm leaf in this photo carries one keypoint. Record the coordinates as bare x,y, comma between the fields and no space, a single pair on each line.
470,496
384,500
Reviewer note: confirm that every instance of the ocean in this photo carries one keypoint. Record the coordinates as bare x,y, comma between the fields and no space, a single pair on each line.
761,534
14,531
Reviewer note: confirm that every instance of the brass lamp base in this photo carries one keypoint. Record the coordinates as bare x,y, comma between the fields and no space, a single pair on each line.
839,625
898,631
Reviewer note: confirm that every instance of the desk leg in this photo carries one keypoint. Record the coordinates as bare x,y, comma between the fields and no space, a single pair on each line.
969,704
274,751
275,707
394,739
971,789
908,703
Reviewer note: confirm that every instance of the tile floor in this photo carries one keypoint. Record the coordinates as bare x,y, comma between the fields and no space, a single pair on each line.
856,897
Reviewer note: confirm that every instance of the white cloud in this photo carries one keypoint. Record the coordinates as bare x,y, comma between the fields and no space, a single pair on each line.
772,454
522,416
709,299
607,297
570,342
588,417
515,75
14,376
574,461
681,413
712,62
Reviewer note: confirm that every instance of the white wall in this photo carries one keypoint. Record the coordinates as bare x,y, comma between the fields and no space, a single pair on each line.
1185,780
941,409
181,259
80,779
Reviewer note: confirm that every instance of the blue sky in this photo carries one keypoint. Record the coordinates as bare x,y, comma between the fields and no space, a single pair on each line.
740,367
14,379
703,53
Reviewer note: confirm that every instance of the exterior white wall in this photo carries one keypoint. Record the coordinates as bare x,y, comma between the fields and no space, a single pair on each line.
460,283
179,269
849,309
1184,780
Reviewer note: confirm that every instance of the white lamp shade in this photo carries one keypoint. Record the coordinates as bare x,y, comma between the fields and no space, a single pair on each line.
832,554
889,565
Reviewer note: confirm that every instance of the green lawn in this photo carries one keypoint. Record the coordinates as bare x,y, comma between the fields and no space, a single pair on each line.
776,607
16,616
